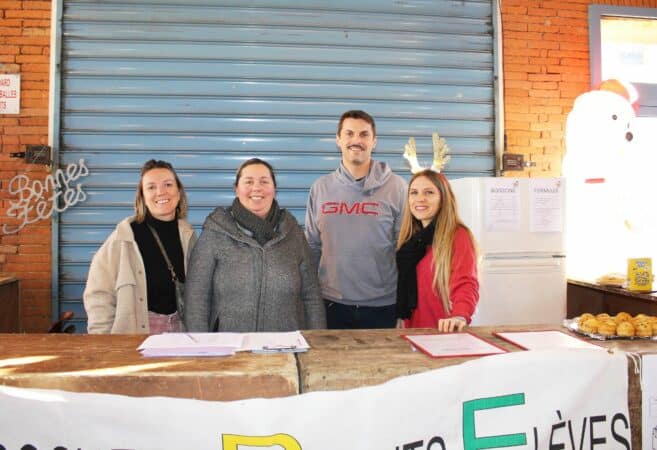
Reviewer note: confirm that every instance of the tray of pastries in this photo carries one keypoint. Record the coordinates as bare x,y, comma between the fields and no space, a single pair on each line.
621,326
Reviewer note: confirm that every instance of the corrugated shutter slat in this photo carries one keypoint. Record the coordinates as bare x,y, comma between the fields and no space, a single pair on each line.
207,84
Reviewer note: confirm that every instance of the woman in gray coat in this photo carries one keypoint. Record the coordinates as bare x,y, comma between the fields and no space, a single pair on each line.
251,269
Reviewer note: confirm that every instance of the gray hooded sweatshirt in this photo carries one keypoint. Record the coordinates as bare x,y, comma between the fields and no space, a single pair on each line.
352,228
235,284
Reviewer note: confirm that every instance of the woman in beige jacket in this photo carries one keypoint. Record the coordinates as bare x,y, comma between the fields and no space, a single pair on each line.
130,287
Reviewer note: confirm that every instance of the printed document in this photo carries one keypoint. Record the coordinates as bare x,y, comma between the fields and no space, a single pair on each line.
545,340
452,345
222,344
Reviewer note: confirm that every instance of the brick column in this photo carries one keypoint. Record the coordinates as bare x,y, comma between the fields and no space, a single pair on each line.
25,50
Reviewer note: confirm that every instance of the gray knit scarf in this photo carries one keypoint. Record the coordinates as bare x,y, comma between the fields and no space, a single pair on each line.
263,229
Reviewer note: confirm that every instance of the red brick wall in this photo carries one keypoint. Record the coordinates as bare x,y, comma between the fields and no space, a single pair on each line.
25,50
546,66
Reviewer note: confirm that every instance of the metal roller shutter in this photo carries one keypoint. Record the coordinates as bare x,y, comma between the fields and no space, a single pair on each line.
206,85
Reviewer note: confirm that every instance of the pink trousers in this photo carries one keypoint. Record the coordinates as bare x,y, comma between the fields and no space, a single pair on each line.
164,323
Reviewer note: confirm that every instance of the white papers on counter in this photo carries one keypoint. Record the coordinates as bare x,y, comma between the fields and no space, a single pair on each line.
290,342
450,345
545,340
191,344
221,344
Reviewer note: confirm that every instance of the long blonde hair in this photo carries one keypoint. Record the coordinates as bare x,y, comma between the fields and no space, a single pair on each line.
447,222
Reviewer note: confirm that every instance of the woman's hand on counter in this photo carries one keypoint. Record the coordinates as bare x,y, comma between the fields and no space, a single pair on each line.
451,324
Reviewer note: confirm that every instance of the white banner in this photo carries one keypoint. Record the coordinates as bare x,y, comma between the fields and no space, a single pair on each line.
649,401
552,400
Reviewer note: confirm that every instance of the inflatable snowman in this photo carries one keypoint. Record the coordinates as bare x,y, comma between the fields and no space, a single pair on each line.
598,135
639,191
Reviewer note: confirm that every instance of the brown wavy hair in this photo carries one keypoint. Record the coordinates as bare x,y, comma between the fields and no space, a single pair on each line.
140,204
447,222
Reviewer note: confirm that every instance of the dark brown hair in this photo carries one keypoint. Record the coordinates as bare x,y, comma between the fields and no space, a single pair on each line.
253,162
357,114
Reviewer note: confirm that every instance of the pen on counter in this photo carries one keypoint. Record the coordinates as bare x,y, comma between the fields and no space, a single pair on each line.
191,337
279,348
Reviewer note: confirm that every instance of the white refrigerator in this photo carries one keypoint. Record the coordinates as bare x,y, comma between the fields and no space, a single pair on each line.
519,226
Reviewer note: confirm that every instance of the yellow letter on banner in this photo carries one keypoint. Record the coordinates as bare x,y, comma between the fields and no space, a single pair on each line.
231,441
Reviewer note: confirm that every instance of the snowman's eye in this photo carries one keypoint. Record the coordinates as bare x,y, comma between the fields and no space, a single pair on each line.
614,117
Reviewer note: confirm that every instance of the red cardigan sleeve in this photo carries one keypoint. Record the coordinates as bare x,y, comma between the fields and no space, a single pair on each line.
463,282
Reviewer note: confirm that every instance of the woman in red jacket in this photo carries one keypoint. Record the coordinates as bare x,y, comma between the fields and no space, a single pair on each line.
436,259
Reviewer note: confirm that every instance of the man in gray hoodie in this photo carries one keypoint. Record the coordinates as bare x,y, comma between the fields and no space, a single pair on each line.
352,222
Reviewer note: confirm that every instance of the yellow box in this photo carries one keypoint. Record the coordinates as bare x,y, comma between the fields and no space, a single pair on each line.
639,274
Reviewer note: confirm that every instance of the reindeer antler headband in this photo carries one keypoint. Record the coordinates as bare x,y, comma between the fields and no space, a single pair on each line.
440,154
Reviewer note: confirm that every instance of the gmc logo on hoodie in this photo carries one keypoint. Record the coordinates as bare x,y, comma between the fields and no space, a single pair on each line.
357,208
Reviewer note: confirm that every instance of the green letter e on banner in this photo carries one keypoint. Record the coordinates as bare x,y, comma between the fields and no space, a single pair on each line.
471,441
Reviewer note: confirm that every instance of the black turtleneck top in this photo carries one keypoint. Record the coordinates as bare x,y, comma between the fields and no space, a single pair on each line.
159,286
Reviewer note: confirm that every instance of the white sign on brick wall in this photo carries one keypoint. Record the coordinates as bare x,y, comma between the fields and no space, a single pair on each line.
10,93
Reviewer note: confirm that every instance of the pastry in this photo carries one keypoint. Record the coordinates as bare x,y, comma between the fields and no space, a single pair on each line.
584,317
607,328
590,326
602,316
625,329
643,329
612,279
623,316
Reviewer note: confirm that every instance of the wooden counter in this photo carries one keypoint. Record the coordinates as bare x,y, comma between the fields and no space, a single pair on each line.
111,364
10,312
585,296
337,360
356,358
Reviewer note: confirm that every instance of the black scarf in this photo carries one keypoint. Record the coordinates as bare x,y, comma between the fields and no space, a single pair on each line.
408,256
263,229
